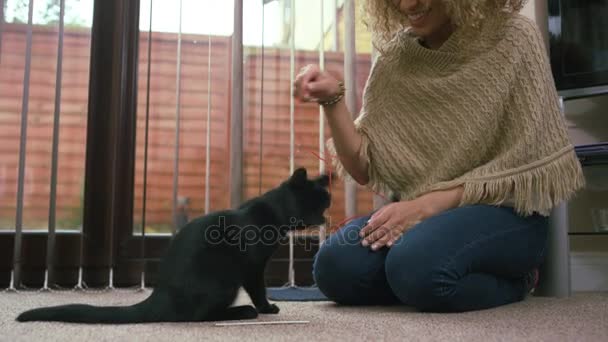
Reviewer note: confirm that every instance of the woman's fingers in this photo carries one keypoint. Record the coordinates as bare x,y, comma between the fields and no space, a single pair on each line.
376,235
376,221
379,212
394,239
322,88
307,74
386,235
312,84
387,225
387,239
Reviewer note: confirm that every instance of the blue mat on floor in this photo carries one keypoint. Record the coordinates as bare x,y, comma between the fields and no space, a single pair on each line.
295,294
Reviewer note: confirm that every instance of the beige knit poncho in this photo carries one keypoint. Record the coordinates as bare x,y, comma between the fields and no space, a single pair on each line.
482,111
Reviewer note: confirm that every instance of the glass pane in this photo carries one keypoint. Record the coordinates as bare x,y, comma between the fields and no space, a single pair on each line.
266,100
41,111
200,90
74,110
266,97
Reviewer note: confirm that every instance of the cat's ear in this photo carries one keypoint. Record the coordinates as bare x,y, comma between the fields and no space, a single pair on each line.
323,180
299,177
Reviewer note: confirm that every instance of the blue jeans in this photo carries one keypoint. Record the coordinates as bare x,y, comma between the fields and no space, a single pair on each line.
468,258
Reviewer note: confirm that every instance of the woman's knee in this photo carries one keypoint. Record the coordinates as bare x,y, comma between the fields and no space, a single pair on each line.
334,272
334,263
415,282
342,268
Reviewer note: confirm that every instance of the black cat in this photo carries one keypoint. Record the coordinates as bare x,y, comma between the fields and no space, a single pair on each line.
212,257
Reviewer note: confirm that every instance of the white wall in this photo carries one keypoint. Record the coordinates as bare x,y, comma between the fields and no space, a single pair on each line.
529,10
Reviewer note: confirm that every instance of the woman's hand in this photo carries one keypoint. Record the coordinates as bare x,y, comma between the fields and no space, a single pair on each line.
313,84
391,221
388,224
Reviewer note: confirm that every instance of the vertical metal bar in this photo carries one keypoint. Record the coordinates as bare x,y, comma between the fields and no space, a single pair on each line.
16,281
50,247
336,29
236,115
177,120
112,227
146,139
261,147
350,78
322,229
79,283
321,111
111,274
292,66
1,26
208,142
292,273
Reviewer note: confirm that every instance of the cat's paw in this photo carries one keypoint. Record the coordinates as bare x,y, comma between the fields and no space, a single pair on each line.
248,312
269,309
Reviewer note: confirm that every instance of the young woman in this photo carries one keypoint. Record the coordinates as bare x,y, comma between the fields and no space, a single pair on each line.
461,123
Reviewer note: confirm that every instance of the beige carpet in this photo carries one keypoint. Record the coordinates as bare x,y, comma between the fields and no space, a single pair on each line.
583,317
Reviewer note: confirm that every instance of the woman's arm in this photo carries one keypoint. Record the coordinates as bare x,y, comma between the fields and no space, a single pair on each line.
437,202
313,84
347,141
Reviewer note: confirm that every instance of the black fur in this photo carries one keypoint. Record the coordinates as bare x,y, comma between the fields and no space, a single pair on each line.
211,258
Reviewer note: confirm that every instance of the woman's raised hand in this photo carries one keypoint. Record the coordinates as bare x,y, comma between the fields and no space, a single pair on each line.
314,84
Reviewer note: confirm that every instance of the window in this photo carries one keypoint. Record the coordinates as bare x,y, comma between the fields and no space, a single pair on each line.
39,107
190,78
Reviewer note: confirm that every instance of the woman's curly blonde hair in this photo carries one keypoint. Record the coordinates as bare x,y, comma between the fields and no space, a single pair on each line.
383,18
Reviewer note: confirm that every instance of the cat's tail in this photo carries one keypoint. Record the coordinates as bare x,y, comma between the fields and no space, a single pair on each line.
82,313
